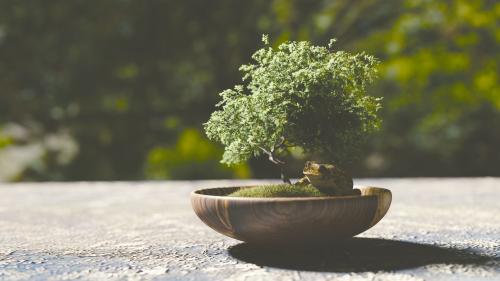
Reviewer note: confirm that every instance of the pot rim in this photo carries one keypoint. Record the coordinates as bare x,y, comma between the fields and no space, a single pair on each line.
196,193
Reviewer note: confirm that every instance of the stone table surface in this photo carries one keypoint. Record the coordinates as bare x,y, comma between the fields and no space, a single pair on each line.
436,229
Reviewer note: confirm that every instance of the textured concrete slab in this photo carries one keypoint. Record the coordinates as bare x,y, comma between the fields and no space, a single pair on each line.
436,229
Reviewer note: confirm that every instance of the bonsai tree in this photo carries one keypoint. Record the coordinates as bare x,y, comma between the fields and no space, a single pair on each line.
297,95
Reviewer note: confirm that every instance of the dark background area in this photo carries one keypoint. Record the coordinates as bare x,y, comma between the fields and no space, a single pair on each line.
118,90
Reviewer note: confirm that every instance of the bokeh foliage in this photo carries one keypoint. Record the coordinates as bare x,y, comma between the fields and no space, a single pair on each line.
104,90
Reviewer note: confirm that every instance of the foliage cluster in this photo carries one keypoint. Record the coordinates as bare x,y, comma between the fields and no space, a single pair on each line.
297,95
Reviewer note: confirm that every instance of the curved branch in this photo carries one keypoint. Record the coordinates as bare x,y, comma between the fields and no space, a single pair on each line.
272,157
278,162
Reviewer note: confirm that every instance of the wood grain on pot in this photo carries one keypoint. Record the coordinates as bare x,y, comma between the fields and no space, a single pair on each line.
297,220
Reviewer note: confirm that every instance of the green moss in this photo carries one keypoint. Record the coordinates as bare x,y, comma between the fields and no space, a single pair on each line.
279,190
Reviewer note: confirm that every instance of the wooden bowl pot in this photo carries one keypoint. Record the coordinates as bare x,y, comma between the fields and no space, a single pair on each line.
291,220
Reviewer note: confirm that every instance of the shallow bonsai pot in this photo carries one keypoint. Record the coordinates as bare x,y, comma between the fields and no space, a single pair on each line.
290,220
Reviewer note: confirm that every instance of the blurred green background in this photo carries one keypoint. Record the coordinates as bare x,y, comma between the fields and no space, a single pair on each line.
118,90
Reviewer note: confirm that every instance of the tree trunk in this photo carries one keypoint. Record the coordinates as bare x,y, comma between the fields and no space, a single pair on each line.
284,177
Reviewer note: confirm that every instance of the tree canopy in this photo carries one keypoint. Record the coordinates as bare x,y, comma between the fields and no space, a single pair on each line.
297,95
